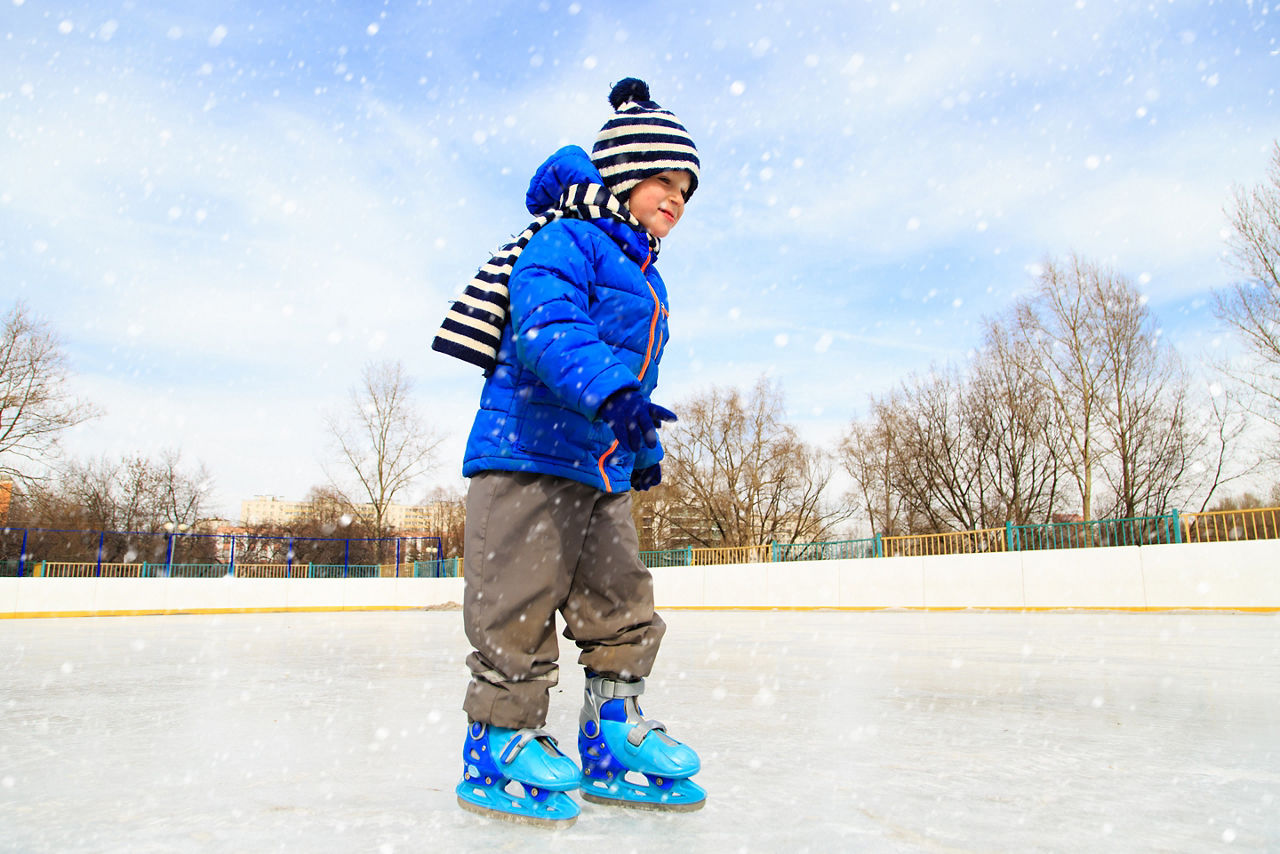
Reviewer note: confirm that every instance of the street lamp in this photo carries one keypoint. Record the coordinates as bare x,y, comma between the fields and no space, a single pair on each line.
172,529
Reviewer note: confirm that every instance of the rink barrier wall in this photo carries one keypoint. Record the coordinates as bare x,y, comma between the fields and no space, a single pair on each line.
1237,576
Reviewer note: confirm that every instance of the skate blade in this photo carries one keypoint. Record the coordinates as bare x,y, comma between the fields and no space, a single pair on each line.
516,818
655,806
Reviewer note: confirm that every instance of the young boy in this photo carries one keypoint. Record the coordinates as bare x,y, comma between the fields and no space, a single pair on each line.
570,322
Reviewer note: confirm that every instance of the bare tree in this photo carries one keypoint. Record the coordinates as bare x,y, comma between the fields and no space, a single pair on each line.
736,474
382,443
180,496
1073,384
939,456
330,510
1144,405
868,453
653,525
950,451
130,509
1088,342
447,517
89,491
1058,333
134,493
1224,424
1252,307
35,405
1024,467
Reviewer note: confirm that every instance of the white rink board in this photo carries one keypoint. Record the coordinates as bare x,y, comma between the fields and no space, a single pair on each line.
953,583
1198,575
1076,578
1211,576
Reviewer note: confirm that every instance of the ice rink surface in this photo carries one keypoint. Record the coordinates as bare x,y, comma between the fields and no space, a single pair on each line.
819,731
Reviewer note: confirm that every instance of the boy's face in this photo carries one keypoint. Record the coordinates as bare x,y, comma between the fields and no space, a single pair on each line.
658,201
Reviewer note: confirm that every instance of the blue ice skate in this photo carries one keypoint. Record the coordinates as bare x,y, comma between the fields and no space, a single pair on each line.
628,760
517,775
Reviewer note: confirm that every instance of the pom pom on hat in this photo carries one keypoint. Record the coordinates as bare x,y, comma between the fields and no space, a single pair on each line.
628,89
641,140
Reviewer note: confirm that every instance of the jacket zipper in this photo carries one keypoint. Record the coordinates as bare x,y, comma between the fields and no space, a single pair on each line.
658,311
608,487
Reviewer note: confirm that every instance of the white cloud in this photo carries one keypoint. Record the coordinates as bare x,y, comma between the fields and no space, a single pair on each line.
232,214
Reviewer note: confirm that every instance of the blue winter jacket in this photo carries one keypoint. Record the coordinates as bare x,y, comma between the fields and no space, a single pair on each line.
588,318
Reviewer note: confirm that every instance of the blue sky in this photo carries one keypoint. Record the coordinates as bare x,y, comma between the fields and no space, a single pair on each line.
226,210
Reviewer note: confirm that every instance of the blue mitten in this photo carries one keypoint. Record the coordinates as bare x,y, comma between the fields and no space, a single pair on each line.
627,414
661,415
647,477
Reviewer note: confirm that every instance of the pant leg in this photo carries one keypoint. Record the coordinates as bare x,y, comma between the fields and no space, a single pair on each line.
609,611
520,558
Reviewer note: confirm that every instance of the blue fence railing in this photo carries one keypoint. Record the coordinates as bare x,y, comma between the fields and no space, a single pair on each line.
143,554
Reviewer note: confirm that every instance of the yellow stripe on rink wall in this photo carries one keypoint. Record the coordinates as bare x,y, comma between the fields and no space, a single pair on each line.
197,611
814,609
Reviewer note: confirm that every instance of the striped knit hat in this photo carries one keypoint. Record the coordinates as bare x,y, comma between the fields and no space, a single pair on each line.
641,140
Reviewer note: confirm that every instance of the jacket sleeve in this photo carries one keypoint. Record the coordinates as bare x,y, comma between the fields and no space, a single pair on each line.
555,336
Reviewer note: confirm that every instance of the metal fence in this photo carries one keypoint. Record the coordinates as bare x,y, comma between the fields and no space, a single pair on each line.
689,556
1140,531
1219,525
1170,528
951,543
42,552
836,550
107,554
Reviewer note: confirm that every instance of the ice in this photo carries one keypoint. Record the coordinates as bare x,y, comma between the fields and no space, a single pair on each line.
819,731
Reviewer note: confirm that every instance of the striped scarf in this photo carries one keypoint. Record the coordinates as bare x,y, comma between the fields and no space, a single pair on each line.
472,328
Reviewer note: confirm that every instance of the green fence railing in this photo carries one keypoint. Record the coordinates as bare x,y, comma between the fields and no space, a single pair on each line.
837,550
1138,531
1171,528
668,557
447,568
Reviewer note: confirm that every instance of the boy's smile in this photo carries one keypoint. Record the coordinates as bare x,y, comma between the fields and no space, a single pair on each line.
657,202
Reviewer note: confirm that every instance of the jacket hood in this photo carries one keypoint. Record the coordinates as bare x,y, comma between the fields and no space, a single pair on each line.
569,165
572,165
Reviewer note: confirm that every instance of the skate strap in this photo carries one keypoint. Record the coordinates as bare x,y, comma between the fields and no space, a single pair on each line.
519,739
643,727
611,689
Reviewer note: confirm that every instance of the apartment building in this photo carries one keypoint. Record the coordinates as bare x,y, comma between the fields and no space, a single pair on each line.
272,510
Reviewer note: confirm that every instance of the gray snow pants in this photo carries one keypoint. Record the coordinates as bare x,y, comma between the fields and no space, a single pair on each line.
537,544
